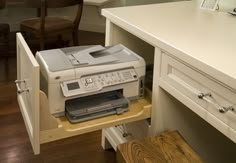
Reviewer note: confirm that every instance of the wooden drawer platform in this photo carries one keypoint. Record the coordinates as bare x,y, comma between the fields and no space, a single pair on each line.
167,147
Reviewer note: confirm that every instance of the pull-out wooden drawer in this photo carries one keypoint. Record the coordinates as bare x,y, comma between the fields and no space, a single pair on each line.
138,110
212,100
42,127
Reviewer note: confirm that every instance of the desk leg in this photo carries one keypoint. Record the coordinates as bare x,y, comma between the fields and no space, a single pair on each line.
118,35
156,119
105,143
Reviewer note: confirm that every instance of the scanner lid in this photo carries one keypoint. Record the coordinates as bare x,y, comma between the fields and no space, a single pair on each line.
85,56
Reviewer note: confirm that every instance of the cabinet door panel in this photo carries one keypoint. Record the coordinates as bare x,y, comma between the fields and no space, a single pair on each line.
28,90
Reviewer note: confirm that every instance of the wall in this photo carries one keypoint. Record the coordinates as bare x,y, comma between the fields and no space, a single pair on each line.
140,2
92,20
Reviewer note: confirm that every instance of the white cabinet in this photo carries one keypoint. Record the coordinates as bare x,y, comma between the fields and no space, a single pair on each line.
28,90
194,79
209,98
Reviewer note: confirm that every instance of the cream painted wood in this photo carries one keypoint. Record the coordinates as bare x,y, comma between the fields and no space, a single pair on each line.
191,83
109,33
171,29
156,118
112,138
198,39
28,70
176,114
105,143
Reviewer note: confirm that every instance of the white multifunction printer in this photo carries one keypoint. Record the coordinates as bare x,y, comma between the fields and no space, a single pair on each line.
88,82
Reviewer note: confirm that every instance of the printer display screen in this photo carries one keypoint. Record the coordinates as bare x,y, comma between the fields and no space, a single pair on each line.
72,86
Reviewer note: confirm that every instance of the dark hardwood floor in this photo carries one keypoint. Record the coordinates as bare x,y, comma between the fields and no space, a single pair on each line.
15,146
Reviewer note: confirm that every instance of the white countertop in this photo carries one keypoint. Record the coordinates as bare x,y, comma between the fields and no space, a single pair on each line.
204,39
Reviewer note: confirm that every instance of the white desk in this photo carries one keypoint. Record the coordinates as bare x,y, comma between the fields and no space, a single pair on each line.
194,52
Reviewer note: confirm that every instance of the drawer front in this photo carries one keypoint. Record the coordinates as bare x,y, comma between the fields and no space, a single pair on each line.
214,97
27,84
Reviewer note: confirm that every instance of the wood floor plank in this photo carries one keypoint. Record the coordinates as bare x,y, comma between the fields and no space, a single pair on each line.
168,147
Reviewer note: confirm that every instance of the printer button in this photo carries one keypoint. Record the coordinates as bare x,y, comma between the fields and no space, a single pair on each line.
89,80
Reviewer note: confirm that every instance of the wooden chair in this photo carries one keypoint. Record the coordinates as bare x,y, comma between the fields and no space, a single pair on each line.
47,26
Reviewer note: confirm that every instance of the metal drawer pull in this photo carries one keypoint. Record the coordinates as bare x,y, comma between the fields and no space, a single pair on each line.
125,132
222,109
201,95
19,90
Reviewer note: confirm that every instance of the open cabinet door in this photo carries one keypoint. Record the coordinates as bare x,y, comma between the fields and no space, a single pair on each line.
28,90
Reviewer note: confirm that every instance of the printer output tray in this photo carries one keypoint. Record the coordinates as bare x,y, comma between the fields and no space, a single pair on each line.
95,106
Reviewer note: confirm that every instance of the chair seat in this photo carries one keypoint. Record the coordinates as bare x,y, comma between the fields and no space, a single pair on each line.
45,26
52,24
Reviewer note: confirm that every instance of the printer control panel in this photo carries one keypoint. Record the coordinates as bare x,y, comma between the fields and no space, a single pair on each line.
97,82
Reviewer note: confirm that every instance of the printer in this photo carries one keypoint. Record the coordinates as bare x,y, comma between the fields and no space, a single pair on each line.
87,82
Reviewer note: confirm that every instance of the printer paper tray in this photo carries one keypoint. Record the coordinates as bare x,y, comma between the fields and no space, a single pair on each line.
138,110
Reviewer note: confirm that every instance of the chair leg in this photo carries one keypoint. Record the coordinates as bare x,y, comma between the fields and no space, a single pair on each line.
42,45
6,37
75,38
6,68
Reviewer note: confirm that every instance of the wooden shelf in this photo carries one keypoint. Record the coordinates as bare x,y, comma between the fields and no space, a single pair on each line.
138,110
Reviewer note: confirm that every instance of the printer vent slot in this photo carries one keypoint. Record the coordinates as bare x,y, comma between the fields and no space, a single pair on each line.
141,86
